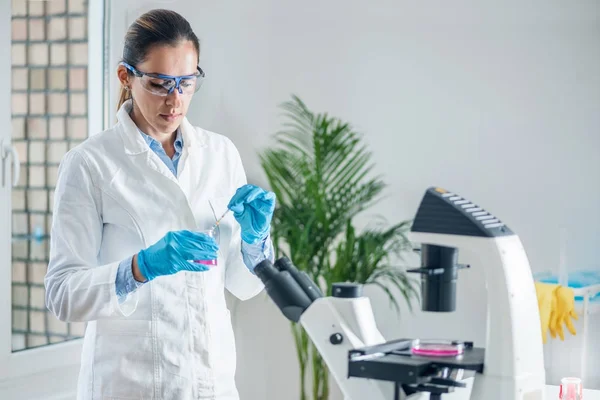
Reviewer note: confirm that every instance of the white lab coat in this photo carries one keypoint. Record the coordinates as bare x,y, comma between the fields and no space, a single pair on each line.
172,338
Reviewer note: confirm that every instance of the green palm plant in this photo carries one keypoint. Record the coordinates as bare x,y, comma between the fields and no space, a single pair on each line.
320,171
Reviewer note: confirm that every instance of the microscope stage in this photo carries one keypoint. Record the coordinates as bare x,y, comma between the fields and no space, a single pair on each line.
393,361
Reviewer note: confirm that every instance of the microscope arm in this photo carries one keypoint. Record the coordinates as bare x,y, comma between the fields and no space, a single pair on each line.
514,364
455,231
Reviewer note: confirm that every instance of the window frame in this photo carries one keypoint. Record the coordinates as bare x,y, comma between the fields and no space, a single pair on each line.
40,364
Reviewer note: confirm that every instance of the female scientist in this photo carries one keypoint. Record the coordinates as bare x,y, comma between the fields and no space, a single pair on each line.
129,208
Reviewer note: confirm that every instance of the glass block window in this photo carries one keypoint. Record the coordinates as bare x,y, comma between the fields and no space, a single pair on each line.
49,117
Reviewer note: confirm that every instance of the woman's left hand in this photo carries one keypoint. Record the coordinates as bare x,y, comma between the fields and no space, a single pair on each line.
253,209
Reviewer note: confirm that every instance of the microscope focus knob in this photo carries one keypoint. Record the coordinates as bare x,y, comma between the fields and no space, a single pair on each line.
347,290
336,338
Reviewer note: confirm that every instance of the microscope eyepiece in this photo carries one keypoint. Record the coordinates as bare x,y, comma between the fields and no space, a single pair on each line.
265,271
284,264
308,286
284,290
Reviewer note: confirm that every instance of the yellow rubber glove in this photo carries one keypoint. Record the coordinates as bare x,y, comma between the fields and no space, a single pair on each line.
546,303
563,312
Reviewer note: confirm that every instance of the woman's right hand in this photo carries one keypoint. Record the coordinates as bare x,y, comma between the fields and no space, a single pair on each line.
175,252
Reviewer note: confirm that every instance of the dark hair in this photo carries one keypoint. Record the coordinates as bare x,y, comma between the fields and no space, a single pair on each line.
154,28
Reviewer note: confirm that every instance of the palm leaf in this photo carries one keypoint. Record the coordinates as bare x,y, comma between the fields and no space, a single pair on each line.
322,175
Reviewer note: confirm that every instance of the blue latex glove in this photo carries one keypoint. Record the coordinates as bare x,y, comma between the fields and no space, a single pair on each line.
175,252
253,209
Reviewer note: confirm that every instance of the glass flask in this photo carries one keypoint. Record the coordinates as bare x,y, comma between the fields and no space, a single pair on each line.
214,233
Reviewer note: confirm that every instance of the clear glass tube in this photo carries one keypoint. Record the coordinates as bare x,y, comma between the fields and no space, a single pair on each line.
570,389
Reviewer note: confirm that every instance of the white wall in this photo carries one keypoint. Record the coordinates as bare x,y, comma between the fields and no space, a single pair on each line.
498,103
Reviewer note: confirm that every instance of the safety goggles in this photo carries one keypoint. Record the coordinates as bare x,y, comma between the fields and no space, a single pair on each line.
164,85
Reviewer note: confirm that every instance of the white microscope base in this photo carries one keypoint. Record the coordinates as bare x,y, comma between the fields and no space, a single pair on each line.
551,393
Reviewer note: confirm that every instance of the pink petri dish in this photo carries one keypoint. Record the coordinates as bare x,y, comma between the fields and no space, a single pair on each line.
437,348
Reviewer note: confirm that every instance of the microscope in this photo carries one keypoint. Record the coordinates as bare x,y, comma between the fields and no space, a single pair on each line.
454,233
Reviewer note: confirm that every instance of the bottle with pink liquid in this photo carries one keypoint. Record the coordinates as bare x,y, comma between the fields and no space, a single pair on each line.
570,389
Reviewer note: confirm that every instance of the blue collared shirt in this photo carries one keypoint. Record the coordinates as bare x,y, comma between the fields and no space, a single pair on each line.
157,148
252,254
